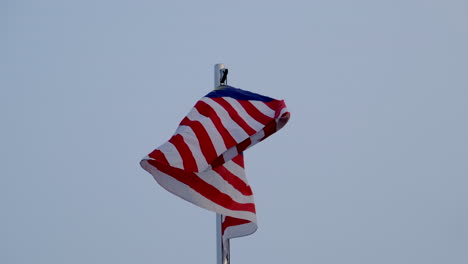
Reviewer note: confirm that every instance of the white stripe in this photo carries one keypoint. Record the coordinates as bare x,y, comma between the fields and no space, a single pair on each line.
232,127
230,153
242,113
262,107
148,158
280,123
185,192
214,179
283,110
239,230
237,170
257,137
192,142
210,128
172,155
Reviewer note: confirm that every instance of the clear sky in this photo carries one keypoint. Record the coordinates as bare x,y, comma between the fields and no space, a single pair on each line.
372,167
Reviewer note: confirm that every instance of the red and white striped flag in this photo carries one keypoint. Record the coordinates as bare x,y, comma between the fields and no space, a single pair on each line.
203,161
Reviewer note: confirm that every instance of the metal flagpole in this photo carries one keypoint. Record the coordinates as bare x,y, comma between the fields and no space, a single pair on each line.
222,251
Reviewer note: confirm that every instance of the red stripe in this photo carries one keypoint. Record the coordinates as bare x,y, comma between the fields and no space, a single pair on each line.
239,160
218,162
234,115
159,156
233,180
254,112
206,110
187,157
244,145
280,105
203,137
269,129
203,188
231,221
273,105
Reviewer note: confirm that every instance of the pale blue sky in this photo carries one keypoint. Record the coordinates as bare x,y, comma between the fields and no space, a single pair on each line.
372,167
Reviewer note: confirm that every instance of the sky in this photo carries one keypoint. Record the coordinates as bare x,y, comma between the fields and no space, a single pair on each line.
371,168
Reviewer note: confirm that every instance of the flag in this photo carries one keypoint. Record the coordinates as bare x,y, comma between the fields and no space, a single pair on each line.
203,161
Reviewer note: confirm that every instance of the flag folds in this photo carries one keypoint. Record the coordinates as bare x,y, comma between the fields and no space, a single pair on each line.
203,161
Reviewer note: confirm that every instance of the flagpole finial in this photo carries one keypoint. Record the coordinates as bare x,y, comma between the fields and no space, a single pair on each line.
224,74
220,75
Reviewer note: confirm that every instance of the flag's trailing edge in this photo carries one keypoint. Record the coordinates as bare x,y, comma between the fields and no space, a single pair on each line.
203,161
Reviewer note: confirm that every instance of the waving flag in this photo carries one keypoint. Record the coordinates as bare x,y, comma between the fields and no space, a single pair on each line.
203,161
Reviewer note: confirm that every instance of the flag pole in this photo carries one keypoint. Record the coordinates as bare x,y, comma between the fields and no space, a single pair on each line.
222,251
